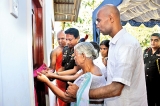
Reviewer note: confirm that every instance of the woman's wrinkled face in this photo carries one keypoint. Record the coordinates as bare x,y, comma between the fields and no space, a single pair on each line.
104,51
79,58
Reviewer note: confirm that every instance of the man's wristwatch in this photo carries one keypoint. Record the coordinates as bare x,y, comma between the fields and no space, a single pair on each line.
57,73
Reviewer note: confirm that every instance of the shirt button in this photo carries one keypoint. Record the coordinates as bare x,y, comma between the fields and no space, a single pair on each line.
147,68
151,55
149,61
147,75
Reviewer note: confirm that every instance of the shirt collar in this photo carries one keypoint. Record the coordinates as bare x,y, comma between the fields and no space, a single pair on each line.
117,36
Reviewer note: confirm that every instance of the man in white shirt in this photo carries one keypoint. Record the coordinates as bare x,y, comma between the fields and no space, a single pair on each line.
125,67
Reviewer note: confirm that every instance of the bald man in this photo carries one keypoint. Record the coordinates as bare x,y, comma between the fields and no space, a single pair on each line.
56,58
57,52
125,68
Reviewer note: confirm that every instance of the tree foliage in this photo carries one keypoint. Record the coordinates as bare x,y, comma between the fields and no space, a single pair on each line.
142,33
84,24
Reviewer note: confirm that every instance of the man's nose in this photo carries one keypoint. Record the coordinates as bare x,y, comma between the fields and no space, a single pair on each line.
68,42
97,26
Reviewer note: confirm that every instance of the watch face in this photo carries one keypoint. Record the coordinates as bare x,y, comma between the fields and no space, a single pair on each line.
146,55
106,58
158,55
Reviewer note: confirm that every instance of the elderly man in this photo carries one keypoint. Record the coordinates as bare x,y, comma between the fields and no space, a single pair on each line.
56,58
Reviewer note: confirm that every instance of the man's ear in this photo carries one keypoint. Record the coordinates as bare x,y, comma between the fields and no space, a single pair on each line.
111,17
78,38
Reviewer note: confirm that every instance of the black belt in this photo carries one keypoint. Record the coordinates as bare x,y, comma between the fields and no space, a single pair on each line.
96,102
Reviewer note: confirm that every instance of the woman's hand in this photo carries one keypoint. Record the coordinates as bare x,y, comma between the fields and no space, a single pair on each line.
42,77
50,74
104,60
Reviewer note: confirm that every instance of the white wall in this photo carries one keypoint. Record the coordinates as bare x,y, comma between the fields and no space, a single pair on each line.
47,32
16,81
47,29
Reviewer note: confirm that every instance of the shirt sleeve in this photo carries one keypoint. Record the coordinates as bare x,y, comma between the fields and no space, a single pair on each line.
79,80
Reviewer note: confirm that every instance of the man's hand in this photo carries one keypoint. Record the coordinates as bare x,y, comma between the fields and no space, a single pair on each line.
49,74
69,99
72,90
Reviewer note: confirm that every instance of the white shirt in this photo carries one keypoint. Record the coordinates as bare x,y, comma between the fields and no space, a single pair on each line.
125,65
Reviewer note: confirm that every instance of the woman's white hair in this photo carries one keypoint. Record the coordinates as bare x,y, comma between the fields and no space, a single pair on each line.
87,49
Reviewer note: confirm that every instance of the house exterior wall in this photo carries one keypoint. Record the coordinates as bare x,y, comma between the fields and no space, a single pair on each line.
48,16
16,71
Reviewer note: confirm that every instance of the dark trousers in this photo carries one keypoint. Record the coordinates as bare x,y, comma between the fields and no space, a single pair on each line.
153,91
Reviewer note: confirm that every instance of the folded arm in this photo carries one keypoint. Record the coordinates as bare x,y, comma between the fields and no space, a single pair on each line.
111,90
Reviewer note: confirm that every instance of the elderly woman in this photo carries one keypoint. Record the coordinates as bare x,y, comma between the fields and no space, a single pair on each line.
84,53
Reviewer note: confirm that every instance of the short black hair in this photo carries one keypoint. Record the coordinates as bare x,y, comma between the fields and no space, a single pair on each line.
156,34
72,31
105,42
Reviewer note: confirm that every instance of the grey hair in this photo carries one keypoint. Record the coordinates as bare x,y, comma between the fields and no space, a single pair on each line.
87,49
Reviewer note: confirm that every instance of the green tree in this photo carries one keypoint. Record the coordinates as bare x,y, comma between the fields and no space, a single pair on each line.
142,33
84,24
